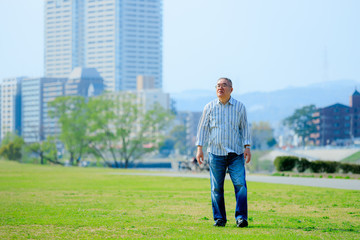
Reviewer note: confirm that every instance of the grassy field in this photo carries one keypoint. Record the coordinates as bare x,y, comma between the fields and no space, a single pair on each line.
47,202
354,158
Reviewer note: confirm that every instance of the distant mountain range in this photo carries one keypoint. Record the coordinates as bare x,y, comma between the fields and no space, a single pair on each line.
276,105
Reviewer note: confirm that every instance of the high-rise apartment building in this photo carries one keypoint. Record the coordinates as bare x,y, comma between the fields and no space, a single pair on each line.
37,93
63,38
31,109
51,89
122,39
85,82
11,106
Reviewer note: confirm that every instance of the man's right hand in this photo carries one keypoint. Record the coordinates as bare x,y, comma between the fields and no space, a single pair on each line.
200,155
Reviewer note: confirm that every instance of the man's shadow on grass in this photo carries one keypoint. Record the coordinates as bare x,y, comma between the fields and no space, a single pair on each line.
307,229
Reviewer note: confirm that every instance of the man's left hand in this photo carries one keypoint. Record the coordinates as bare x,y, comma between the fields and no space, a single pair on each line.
247,155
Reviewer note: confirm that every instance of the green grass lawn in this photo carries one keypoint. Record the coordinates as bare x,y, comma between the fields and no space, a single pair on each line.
48,202
354,158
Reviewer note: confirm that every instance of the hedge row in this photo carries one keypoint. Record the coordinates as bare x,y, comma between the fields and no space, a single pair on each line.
288,163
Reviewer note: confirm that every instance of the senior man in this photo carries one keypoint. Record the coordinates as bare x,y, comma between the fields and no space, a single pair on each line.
224,127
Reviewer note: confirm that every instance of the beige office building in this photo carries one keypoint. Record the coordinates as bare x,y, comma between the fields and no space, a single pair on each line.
11,106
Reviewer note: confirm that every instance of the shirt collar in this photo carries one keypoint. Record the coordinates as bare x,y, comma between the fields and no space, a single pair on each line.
231,101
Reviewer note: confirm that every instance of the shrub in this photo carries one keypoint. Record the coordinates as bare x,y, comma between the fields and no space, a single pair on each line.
12,150
278,174
285,163
324,166
330,166
356,168
346,167
302,165
317,166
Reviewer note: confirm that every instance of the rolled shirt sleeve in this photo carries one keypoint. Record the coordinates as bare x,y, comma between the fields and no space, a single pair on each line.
245,130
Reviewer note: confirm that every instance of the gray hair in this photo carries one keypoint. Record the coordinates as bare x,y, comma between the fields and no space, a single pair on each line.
227,79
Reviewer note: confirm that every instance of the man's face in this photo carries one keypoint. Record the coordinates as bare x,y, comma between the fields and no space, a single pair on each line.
223,89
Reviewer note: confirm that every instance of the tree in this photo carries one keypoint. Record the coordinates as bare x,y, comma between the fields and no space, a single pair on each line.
101,134
175,140
262,135
167,146
72,115
122,129
46,150
178,133
11,147
302,122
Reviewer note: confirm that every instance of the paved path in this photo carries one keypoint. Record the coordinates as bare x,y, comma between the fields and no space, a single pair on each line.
350,184
324,154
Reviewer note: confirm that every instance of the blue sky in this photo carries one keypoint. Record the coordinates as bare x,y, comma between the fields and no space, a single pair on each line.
262,45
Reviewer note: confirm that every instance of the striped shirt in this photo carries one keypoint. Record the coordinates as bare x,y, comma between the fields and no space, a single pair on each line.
224,127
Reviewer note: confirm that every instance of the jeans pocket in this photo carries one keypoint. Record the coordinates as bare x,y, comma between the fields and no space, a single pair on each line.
210,158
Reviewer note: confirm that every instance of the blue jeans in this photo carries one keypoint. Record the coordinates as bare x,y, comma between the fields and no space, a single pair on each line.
235,165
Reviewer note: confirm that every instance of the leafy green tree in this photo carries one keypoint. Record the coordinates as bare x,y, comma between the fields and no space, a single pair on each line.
72,115
302,122
101,134
11,147
175,140
46,150
271,142
121,129
262,136
178,133
166,147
